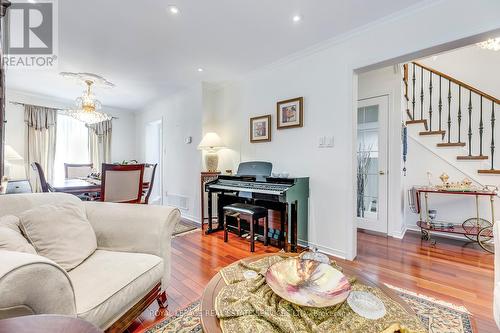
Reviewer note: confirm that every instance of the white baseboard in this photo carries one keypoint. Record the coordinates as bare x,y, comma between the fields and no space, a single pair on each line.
400,234
326,250
191,218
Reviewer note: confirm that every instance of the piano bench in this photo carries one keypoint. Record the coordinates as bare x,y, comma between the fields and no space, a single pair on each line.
255,213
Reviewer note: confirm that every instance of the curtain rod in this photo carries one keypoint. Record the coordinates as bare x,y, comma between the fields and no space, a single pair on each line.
49,107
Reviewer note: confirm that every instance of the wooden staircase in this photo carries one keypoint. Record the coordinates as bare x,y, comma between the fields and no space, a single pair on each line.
431,102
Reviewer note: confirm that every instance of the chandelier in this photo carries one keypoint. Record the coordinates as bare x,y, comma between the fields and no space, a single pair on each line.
491,44
87,105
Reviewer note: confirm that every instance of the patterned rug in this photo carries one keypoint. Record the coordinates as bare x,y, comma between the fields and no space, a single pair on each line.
182,227
438,316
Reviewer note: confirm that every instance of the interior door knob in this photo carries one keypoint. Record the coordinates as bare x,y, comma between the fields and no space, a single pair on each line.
381,173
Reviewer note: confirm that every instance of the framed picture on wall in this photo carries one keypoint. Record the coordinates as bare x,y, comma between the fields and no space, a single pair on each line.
290,113
260,129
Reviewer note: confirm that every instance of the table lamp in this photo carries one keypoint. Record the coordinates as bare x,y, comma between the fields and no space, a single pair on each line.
211,143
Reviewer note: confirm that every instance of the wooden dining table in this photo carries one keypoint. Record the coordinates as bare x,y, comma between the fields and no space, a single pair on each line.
77,186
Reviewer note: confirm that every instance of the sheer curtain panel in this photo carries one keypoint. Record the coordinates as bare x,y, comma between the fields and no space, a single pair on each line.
72,144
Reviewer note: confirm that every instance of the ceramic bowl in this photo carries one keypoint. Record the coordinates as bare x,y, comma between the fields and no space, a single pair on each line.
308,282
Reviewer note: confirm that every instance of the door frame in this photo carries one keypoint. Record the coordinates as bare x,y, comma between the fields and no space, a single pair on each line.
383,227
159,169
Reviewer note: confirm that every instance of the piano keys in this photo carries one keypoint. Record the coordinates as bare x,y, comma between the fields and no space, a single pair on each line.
290,196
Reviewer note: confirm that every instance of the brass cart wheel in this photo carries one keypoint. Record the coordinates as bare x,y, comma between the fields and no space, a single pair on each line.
471,224
486,240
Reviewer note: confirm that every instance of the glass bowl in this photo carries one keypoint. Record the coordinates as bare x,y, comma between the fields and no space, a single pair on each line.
308,282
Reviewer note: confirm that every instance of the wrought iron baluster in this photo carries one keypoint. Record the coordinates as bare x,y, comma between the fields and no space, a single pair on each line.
449,111
481,127
430,101
421,93
440,103
413,98
492,146
469,133
459,110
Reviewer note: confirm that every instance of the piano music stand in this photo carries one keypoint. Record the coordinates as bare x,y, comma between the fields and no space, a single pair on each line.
205,178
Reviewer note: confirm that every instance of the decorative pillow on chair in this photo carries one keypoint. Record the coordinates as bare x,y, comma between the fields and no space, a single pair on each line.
61,233
11,238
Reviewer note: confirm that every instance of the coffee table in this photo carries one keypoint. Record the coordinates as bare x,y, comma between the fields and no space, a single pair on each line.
46,324
210,322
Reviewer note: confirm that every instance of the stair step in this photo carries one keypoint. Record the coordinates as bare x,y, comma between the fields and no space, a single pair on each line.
433,133
472,158
411,122
491,172
451,144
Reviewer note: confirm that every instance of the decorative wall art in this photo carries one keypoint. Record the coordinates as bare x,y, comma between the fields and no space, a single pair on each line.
260,129
290,113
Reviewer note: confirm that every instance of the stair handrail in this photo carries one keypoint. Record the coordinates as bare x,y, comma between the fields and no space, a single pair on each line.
458,82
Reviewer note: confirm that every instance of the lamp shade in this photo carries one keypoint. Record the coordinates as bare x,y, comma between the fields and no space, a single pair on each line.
211,141
11,154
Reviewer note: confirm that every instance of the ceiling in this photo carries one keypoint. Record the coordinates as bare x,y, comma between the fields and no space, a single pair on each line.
150,53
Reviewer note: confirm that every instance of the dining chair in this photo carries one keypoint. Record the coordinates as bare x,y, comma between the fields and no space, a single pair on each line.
149,179
41,177
72,171
122,183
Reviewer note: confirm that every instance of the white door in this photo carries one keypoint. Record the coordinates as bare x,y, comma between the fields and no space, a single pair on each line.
372,163
153,153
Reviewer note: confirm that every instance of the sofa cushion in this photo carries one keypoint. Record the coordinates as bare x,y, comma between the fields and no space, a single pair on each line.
11,222
107,284
60,232
16,204
11,238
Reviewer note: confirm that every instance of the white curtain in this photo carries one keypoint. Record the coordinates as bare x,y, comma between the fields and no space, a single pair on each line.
72,144
100,143
40,141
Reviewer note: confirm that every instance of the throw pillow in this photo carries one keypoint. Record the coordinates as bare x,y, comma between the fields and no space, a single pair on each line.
11,238
60,232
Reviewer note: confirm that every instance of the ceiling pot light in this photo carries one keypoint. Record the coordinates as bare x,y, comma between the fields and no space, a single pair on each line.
296,18
173,9
491,44
200,70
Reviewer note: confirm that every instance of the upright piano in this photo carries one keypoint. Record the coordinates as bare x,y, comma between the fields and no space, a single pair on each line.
253,184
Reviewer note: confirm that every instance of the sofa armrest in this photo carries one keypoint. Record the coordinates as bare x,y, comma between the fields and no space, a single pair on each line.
134,228
31,284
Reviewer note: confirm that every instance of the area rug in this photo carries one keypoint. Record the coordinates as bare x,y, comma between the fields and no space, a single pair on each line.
436,315
183,227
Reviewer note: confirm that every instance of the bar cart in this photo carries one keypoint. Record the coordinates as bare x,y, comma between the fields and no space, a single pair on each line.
475,229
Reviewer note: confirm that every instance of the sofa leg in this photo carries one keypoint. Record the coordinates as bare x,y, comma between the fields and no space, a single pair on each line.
162,300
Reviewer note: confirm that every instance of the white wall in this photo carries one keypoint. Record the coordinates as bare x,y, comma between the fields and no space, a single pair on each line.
481,69
123,139
182,117
324,76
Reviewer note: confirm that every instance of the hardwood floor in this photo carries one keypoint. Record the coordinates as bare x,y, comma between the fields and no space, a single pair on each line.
454,271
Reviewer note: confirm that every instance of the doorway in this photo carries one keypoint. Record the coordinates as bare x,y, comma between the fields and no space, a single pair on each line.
153,155
372,148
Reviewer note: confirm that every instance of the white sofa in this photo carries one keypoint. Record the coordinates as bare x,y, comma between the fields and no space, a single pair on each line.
132,257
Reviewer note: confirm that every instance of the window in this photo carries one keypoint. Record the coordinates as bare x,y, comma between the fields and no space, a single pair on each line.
72,144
